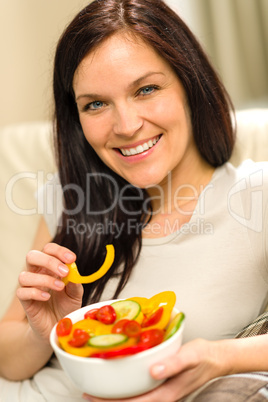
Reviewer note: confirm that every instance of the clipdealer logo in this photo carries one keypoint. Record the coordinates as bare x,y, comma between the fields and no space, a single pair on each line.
252,218
50,199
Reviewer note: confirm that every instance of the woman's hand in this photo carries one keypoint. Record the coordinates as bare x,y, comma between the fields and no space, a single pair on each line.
42,293
195,363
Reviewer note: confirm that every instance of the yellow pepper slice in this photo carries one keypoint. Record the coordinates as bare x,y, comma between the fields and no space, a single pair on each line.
84,351
75,277
165,299
93,327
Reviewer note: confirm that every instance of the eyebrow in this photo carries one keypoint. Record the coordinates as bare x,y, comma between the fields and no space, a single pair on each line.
132,85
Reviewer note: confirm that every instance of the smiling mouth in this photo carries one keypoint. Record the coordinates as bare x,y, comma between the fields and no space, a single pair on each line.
140,148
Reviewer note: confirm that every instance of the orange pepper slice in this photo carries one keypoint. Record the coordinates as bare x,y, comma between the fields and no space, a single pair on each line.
93,327
75,277
165,299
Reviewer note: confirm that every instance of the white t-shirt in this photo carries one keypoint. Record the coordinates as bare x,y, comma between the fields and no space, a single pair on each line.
216,264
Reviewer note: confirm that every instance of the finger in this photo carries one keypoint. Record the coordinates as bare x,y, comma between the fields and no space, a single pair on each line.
62,253
158,394
142,398
74,290
179,386
29,279
39,259
185,383
27,295
185,358
167,368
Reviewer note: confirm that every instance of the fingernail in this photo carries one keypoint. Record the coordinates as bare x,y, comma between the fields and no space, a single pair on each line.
59,284
69,256
158,371
45,295
63,270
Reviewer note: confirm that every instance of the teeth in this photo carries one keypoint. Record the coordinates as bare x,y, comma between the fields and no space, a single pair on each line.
140,148
145,147
133,151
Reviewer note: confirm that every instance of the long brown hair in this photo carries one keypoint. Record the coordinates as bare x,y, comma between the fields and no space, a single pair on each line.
210,107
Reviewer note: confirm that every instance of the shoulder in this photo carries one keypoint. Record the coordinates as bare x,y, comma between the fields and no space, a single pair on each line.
245,186
247,194
249,169
253,173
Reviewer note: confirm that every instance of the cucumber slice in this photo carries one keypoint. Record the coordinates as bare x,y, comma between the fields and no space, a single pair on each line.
174,325
127,309
107,341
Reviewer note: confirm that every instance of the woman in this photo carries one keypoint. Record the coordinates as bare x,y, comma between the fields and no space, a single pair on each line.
143,133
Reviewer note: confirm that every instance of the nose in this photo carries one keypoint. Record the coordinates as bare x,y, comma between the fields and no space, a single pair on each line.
127,121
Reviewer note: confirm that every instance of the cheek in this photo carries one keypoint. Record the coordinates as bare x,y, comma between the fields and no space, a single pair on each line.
167,112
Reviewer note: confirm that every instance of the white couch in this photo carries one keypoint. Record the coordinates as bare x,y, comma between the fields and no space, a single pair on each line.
26,160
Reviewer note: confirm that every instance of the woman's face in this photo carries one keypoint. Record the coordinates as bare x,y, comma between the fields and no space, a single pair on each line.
133,111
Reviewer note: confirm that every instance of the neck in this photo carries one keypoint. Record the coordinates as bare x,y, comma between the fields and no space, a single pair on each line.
181,187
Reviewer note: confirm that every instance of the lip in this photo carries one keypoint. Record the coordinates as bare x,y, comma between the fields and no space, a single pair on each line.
141,156
134,145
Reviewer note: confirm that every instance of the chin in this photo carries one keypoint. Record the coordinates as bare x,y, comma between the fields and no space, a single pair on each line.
146,184
143,178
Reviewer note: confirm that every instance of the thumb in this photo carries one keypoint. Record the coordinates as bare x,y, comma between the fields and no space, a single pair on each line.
74,290
185,359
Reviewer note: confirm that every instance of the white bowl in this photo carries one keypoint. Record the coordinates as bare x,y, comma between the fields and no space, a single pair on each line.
116,378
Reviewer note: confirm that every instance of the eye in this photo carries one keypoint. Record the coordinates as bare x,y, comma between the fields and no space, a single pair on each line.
96,105
148,90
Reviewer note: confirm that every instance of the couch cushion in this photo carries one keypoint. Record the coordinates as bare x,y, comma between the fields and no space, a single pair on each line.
25,161
252,136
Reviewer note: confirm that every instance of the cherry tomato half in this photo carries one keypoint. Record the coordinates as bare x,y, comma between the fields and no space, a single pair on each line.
152,337
79,339
118,328
92,314
64,327
153,318
132,329
106,314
